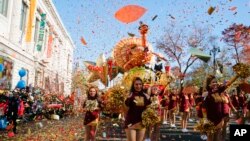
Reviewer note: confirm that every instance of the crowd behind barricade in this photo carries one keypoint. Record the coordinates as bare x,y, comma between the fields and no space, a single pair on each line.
32,104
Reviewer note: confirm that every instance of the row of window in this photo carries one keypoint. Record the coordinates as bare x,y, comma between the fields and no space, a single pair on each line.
23,19
4,7
23,22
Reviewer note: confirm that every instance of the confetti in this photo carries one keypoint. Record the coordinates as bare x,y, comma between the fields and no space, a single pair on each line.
154,17
210,10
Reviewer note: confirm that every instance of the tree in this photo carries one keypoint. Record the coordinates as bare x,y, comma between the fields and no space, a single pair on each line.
245,54
176,45
236,36
79,81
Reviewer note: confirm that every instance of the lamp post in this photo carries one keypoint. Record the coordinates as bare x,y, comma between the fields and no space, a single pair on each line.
214,52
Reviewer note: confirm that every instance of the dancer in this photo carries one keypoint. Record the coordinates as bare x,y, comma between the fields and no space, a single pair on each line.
227,106
185,109
154,131
92,108
164,105
136,103
173,106
213,106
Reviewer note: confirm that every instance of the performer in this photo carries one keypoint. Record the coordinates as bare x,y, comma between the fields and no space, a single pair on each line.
213,106
227,106
242,103
136,103
185,109
164,105
92,108
154,131
13,104
192,104
235,99
173,106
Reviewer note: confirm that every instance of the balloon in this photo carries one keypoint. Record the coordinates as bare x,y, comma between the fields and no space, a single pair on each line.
1,67
21,84
130,13
22,72
98,70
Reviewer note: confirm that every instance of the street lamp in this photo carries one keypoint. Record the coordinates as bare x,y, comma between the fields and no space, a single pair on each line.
214,52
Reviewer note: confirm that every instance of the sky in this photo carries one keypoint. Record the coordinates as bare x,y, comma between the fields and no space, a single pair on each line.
94,20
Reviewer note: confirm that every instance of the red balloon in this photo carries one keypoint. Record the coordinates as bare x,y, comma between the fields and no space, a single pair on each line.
130,13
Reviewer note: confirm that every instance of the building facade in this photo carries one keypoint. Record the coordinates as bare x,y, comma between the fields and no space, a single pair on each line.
33,37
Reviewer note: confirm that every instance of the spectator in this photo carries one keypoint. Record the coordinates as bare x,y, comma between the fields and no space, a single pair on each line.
13,105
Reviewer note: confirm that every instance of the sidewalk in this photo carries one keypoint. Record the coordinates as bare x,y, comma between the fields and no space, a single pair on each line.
66,129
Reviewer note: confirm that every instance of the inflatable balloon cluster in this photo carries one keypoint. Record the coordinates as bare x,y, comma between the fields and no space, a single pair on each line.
21,83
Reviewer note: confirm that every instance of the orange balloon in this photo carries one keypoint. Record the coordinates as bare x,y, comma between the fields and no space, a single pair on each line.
130,13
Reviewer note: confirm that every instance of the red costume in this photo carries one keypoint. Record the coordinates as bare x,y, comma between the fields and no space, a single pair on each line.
173,101
92,106
227,105
235,101
213,104
242,101
165,101
134,113
184,103
191,99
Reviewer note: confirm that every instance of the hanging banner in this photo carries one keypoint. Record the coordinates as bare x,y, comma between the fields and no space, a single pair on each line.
32,11
41,32
50,43
6,74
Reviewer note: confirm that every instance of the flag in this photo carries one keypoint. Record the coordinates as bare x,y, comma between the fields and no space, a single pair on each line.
50,43
41,32
32,11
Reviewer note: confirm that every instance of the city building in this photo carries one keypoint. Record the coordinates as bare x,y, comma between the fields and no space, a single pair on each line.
33,37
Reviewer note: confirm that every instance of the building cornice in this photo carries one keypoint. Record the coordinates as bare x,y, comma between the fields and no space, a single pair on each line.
53,12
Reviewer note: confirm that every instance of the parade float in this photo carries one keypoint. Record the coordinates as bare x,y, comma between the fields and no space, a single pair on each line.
130,57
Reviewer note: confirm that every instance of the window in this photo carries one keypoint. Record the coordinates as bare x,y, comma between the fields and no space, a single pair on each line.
4,7
36,29
45,39
24,10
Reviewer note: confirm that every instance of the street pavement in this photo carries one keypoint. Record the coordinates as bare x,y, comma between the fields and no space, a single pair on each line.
71,129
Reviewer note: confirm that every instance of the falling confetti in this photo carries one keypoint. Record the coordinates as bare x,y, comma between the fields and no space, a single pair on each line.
233,8
172,17
154,17
131,34
83,41
210,10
